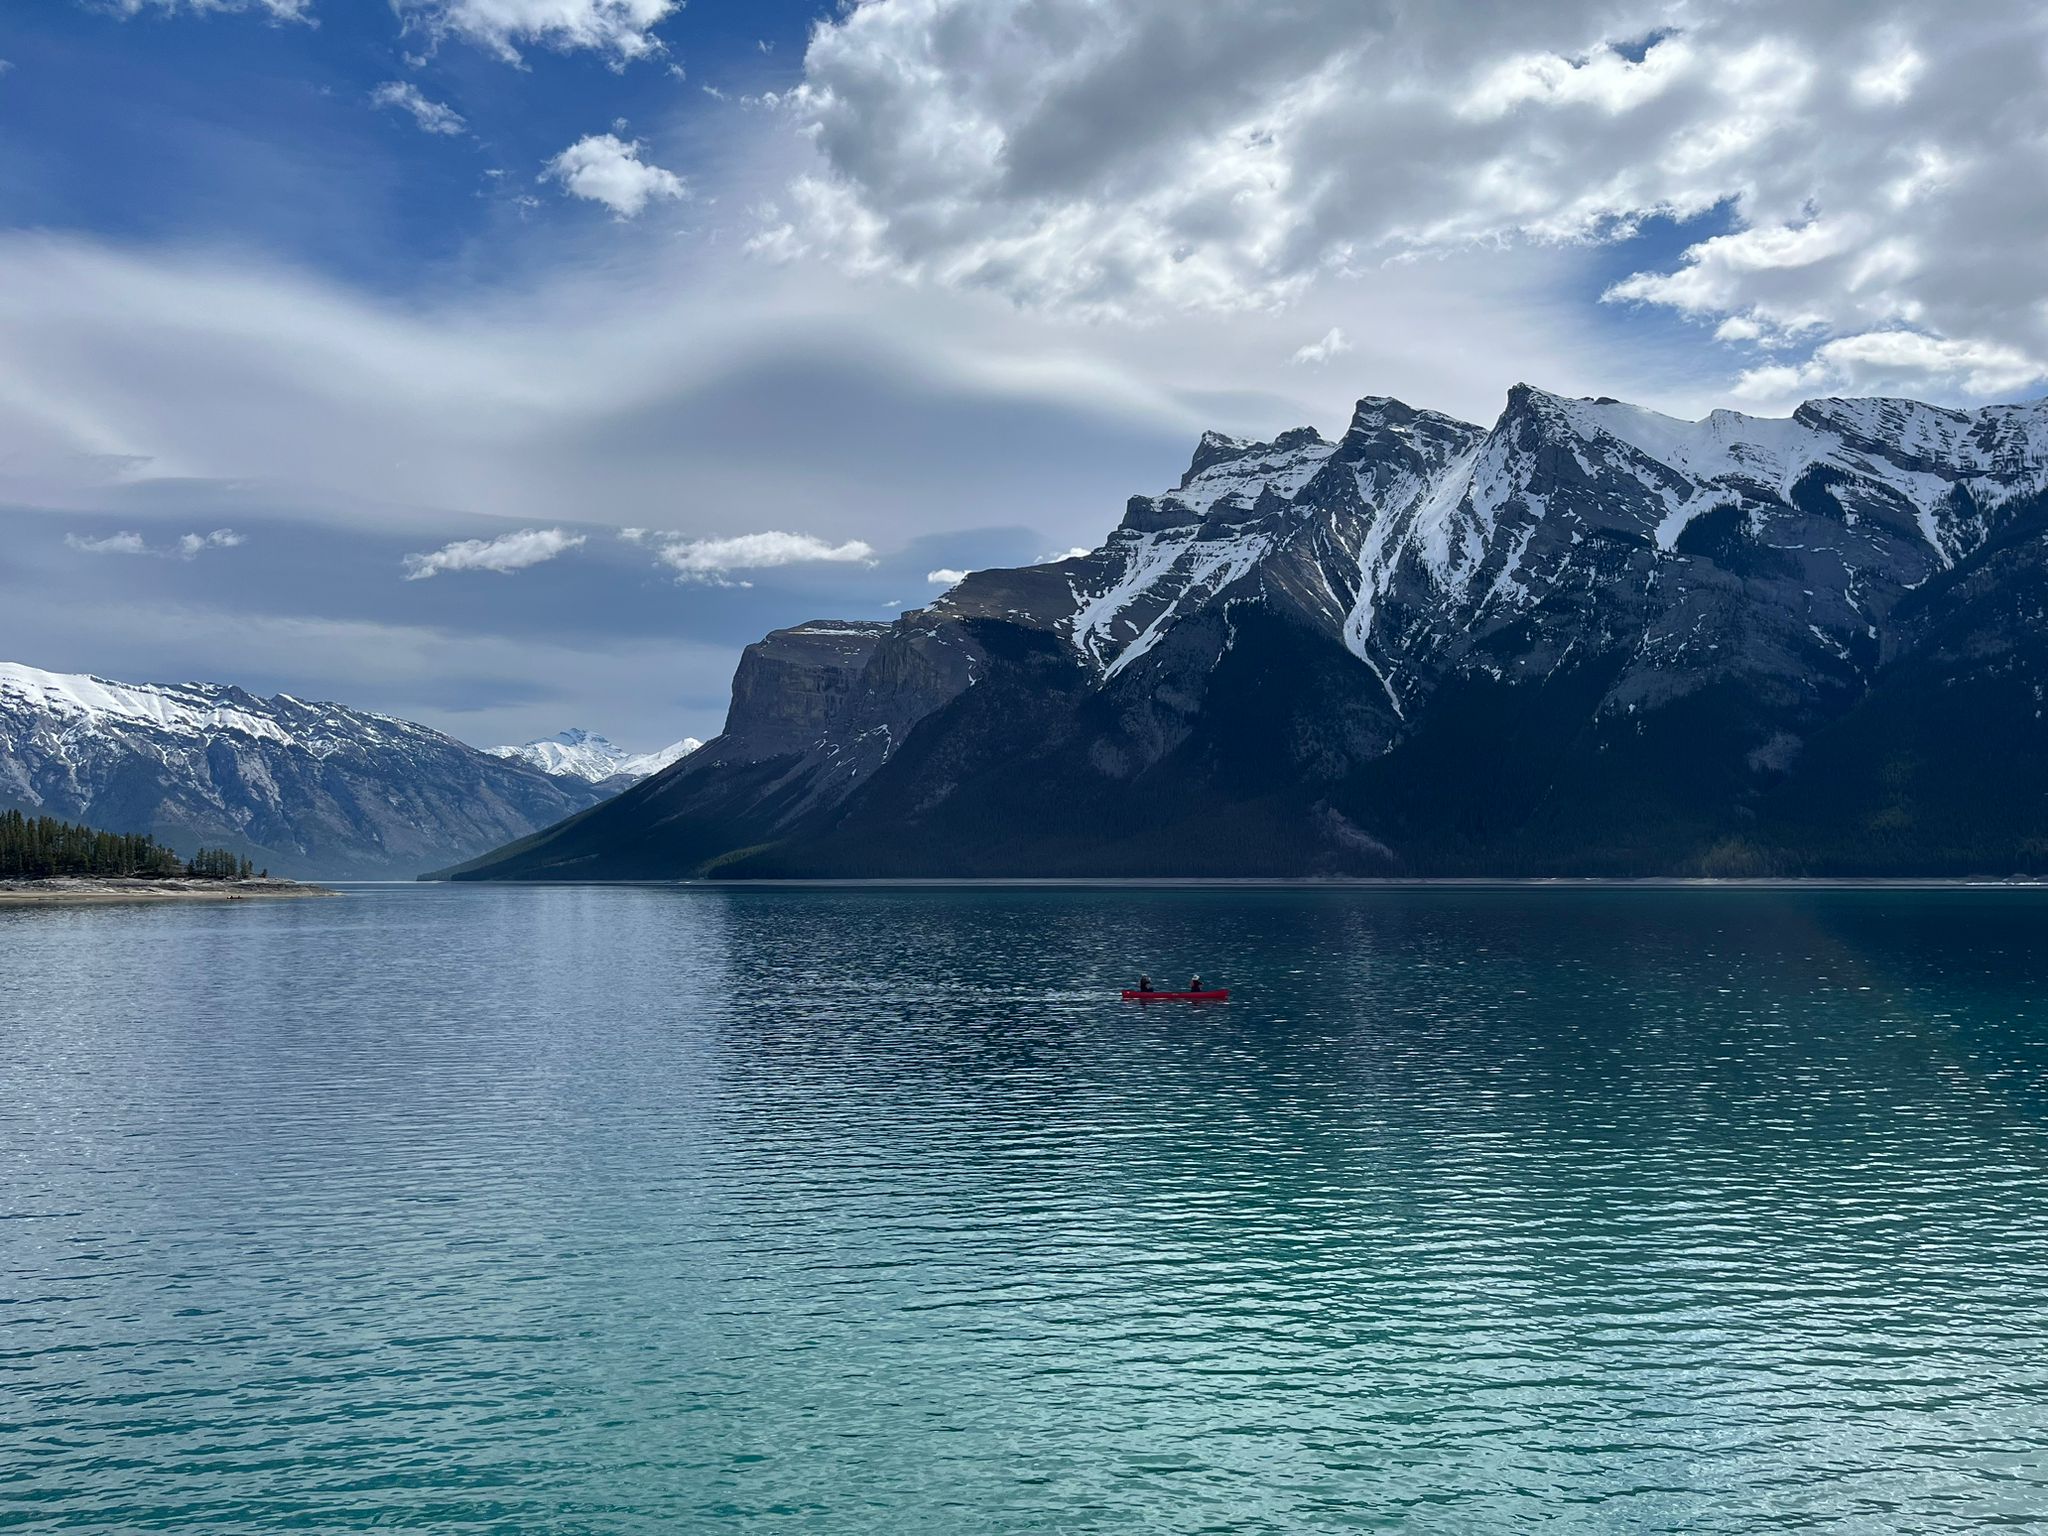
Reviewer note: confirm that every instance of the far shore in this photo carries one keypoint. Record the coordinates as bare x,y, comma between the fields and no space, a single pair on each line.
1297,882
81,890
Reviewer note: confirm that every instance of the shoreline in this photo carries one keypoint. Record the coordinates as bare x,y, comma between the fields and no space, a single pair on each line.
1302,883
88,890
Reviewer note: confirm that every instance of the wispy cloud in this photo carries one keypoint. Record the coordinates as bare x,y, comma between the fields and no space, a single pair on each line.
505,554
1316,353
713,559
282,10
624,29
187,546
432,116
221,538
112,544
604,168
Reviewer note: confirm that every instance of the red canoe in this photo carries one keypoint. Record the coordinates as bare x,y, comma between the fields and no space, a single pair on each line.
1132,995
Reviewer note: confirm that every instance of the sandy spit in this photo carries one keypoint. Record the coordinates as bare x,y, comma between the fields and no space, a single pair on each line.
74,891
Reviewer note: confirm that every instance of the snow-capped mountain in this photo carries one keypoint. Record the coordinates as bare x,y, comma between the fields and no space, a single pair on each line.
303,788
1588,638
579,754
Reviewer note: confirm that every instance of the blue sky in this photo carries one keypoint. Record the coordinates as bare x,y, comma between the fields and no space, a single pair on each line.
245,129
650,327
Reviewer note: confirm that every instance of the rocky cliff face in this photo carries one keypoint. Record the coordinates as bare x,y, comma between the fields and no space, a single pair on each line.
1589,638
826,704
791,688
303,788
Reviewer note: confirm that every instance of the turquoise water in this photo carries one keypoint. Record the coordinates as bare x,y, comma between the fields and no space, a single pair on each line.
469,1210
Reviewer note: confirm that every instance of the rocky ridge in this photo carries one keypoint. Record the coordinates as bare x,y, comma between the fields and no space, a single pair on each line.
1587,639
301,787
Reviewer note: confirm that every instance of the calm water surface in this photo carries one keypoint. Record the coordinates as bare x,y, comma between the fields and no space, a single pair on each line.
649,1210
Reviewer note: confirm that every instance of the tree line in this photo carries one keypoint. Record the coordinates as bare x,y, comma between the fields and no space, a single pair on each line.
42,847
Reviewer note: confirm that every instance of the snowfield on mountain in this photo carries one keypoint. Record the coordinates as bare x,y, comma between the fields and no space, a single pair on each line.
580,754
302,788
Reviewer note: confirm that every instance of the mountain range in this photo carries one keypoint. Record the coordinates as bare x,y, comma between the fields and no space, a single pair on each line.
1586,640
583,755
302,788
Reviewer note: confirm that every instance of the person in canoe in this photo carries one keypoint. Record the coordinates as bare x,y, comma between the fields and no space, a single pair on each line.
1144,983
1195,985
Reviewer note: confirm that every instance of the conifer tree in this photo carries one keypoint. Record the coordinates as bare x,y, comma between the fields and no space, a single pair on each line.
42,847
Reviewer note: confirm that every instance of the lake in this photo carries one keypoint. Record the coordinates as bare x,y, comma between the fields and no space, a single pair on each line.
475,1209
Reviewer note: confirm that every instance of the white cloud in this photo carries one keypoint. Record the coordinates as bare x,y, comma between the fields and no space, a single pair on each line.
623,29
607,169
1132,157
1316,353
1893,362
112,544
192,544
1074,552
432,116
282,10
505,554
187,547
1608,81
1719,274
945,576
711,559
1890,78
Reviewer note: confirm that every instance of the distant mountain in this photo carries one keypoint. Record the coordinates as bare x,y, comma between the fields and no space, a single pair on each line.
302,788
1589,639
578,754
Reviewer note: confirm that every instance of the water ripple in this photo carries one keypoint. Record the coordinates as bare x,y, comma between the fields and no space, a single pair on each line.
592,1211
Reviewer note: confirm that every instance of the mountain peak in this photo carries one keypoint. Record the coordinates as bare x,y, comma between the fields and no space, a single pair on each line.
1215,448
580,754
1218,448
1228,478
1381,410
1530,399
1384,429
576,736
